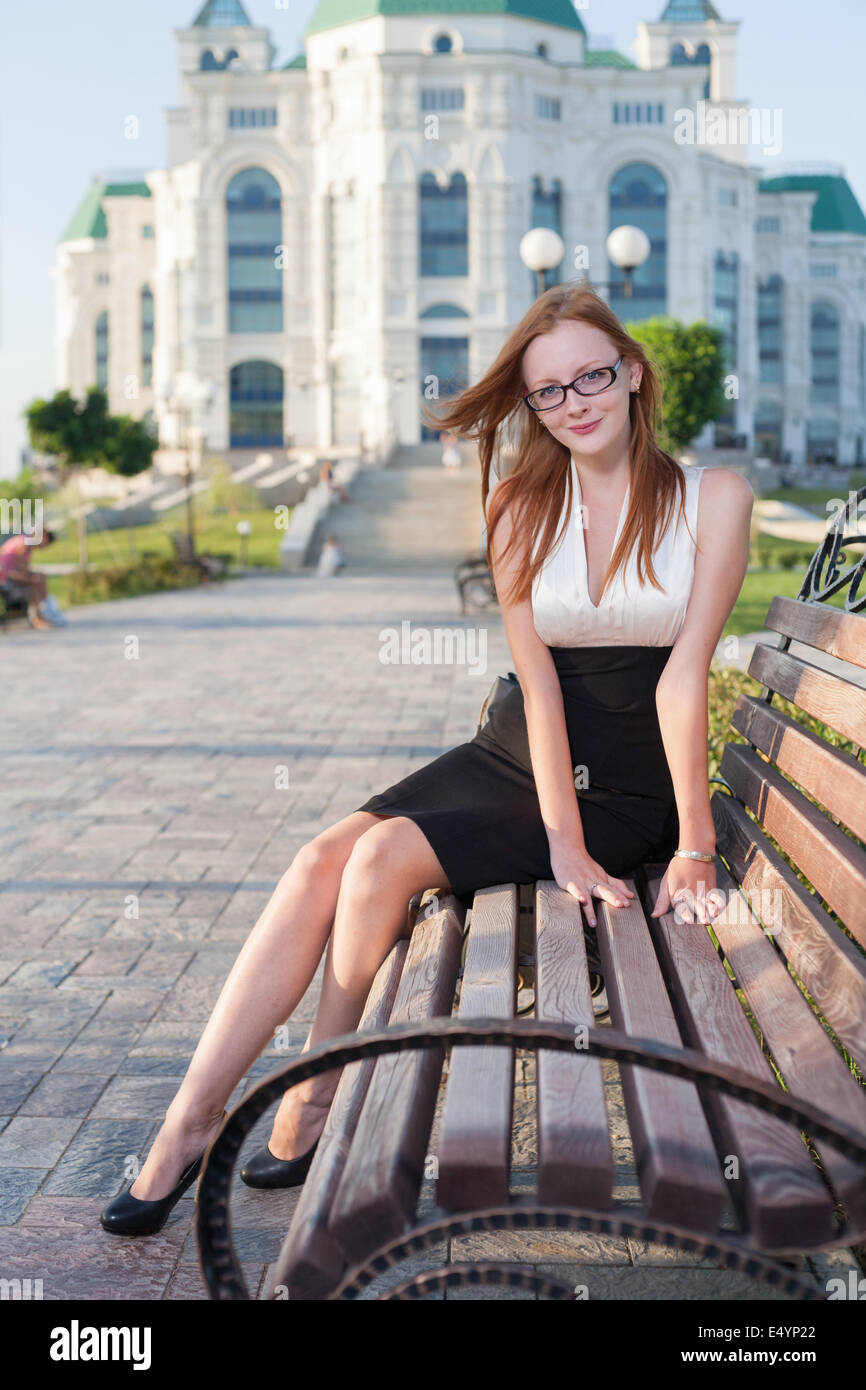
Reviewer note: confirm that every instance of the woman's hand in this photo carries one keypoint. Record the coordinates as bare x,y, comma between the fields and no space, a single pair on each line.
577,872
689,886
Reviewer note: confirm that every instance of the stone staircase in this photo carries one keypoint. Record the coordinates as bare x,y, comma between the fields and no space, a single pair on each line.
411,514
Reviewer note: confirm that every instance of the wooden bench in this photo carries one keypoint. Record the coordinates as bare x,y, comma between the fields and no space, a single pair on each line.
706,1022
208,566
12,605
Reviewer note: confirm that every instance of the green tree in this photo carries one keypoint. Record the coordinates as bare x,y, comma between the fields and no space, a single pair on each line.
83,434
23,488
691,358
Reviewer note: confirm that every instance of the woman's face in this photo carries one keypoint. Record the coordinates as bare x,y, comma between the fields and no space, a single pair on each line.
586,425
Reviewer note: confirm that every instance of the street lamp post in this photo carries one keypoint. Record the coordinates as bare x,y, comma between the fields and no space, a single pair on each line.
541,249
627,247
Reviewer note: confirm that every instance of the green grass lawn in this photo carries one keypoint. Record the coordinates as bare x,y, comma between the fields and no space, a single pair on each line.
214,535
814,499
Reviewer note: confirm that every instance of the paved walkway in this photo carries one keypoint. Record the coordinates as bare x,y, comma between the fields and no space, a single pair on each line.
163,758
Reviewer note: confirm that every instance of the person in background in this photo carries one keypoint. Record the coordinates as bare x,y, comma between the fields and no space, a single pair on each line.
18,581
326,476
450,451
330,558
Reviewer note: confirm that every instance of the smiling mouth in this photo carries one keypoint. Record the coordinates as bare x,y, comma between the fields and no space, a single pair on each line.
584,429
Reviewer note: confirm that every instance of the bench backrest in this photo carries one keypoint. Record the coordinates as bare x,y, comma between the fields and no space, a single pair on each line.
807,793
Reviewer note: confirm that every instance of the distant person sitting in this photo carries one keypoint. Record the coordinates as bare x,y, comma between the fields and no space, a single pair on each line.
330,559
326,475
450,451
19,583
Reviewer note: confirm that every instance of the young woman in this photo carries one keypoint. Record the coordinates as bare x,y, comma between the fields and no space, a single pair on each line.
616,570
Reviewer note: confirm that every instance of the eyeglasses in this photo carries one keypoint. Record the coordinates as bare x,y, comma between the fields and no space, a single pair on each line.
590,384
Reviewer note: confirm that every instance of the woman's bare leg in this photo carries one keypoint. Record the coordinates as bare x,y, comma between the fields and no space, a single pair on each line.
265,985
386,867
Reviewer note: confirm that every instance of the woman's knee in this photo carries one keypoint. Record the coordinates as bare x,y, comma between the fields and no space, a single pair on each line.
319,859
392,855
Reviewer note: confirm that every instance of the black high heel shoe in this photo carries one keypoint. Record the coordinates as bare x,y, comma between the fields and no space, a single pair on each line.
131,1216
263,1170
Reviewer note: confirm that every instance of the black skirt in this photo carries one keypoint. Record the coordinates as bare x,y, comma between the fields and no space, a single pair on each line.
478,806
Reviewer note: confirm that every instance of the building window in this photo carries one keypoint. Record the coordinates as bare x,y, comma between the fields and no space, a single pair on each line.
102,277
541,50
251,117
256,404
638,113
147,232
638,196
768,225
548,108
443,311
546,212
146,336
443,44
209,63
254,234
441,98
768,430
824,347
726,280
822,271
446,360
822,441
101,335
728,197
444,226
770,340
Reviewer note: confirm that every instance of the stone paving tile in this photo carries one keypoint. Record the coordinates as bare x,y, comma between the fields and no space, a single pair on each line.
17,1187
31,1141
62,1094
15,1086
629,1282
95,1162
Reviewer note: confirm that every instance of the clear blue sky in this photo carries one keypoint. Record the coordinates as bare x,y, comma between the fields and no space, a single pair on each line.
71,73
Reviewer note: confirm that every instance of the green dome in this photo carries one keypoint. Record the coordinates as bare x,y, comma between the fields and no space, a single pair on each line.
330,14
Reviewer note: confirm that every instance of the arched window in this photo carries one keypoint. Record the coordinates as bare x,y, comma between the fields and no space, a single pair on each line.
770,339
639,197
256,402
444,311
541,50
146,336
678,55
768,430
101,336
254,234
546,212
824,347
702,57
443,43
444,226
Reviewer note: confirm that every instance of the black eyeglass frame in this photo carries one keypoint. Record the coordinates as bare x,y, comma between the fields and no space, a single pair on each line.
573,386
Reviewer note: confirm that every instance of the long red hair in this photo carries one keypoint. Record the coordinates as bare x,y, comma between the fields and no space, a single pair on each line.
533,468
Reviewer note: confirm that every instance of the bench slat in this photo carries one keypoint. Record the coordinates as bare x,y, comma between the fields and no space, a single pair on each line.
809,1063
575,1160
379,1188
674,1153
311,1262
836,702
818,625
475,1142
778,1192
830,775
831,861
830,966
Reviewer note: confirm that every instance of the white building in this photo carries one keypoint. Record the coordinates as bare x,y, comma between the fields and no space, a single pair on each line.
331,236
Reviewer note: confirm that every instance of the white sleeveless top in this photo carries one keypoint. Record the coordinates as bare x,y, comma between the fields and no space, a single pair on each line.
630,613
